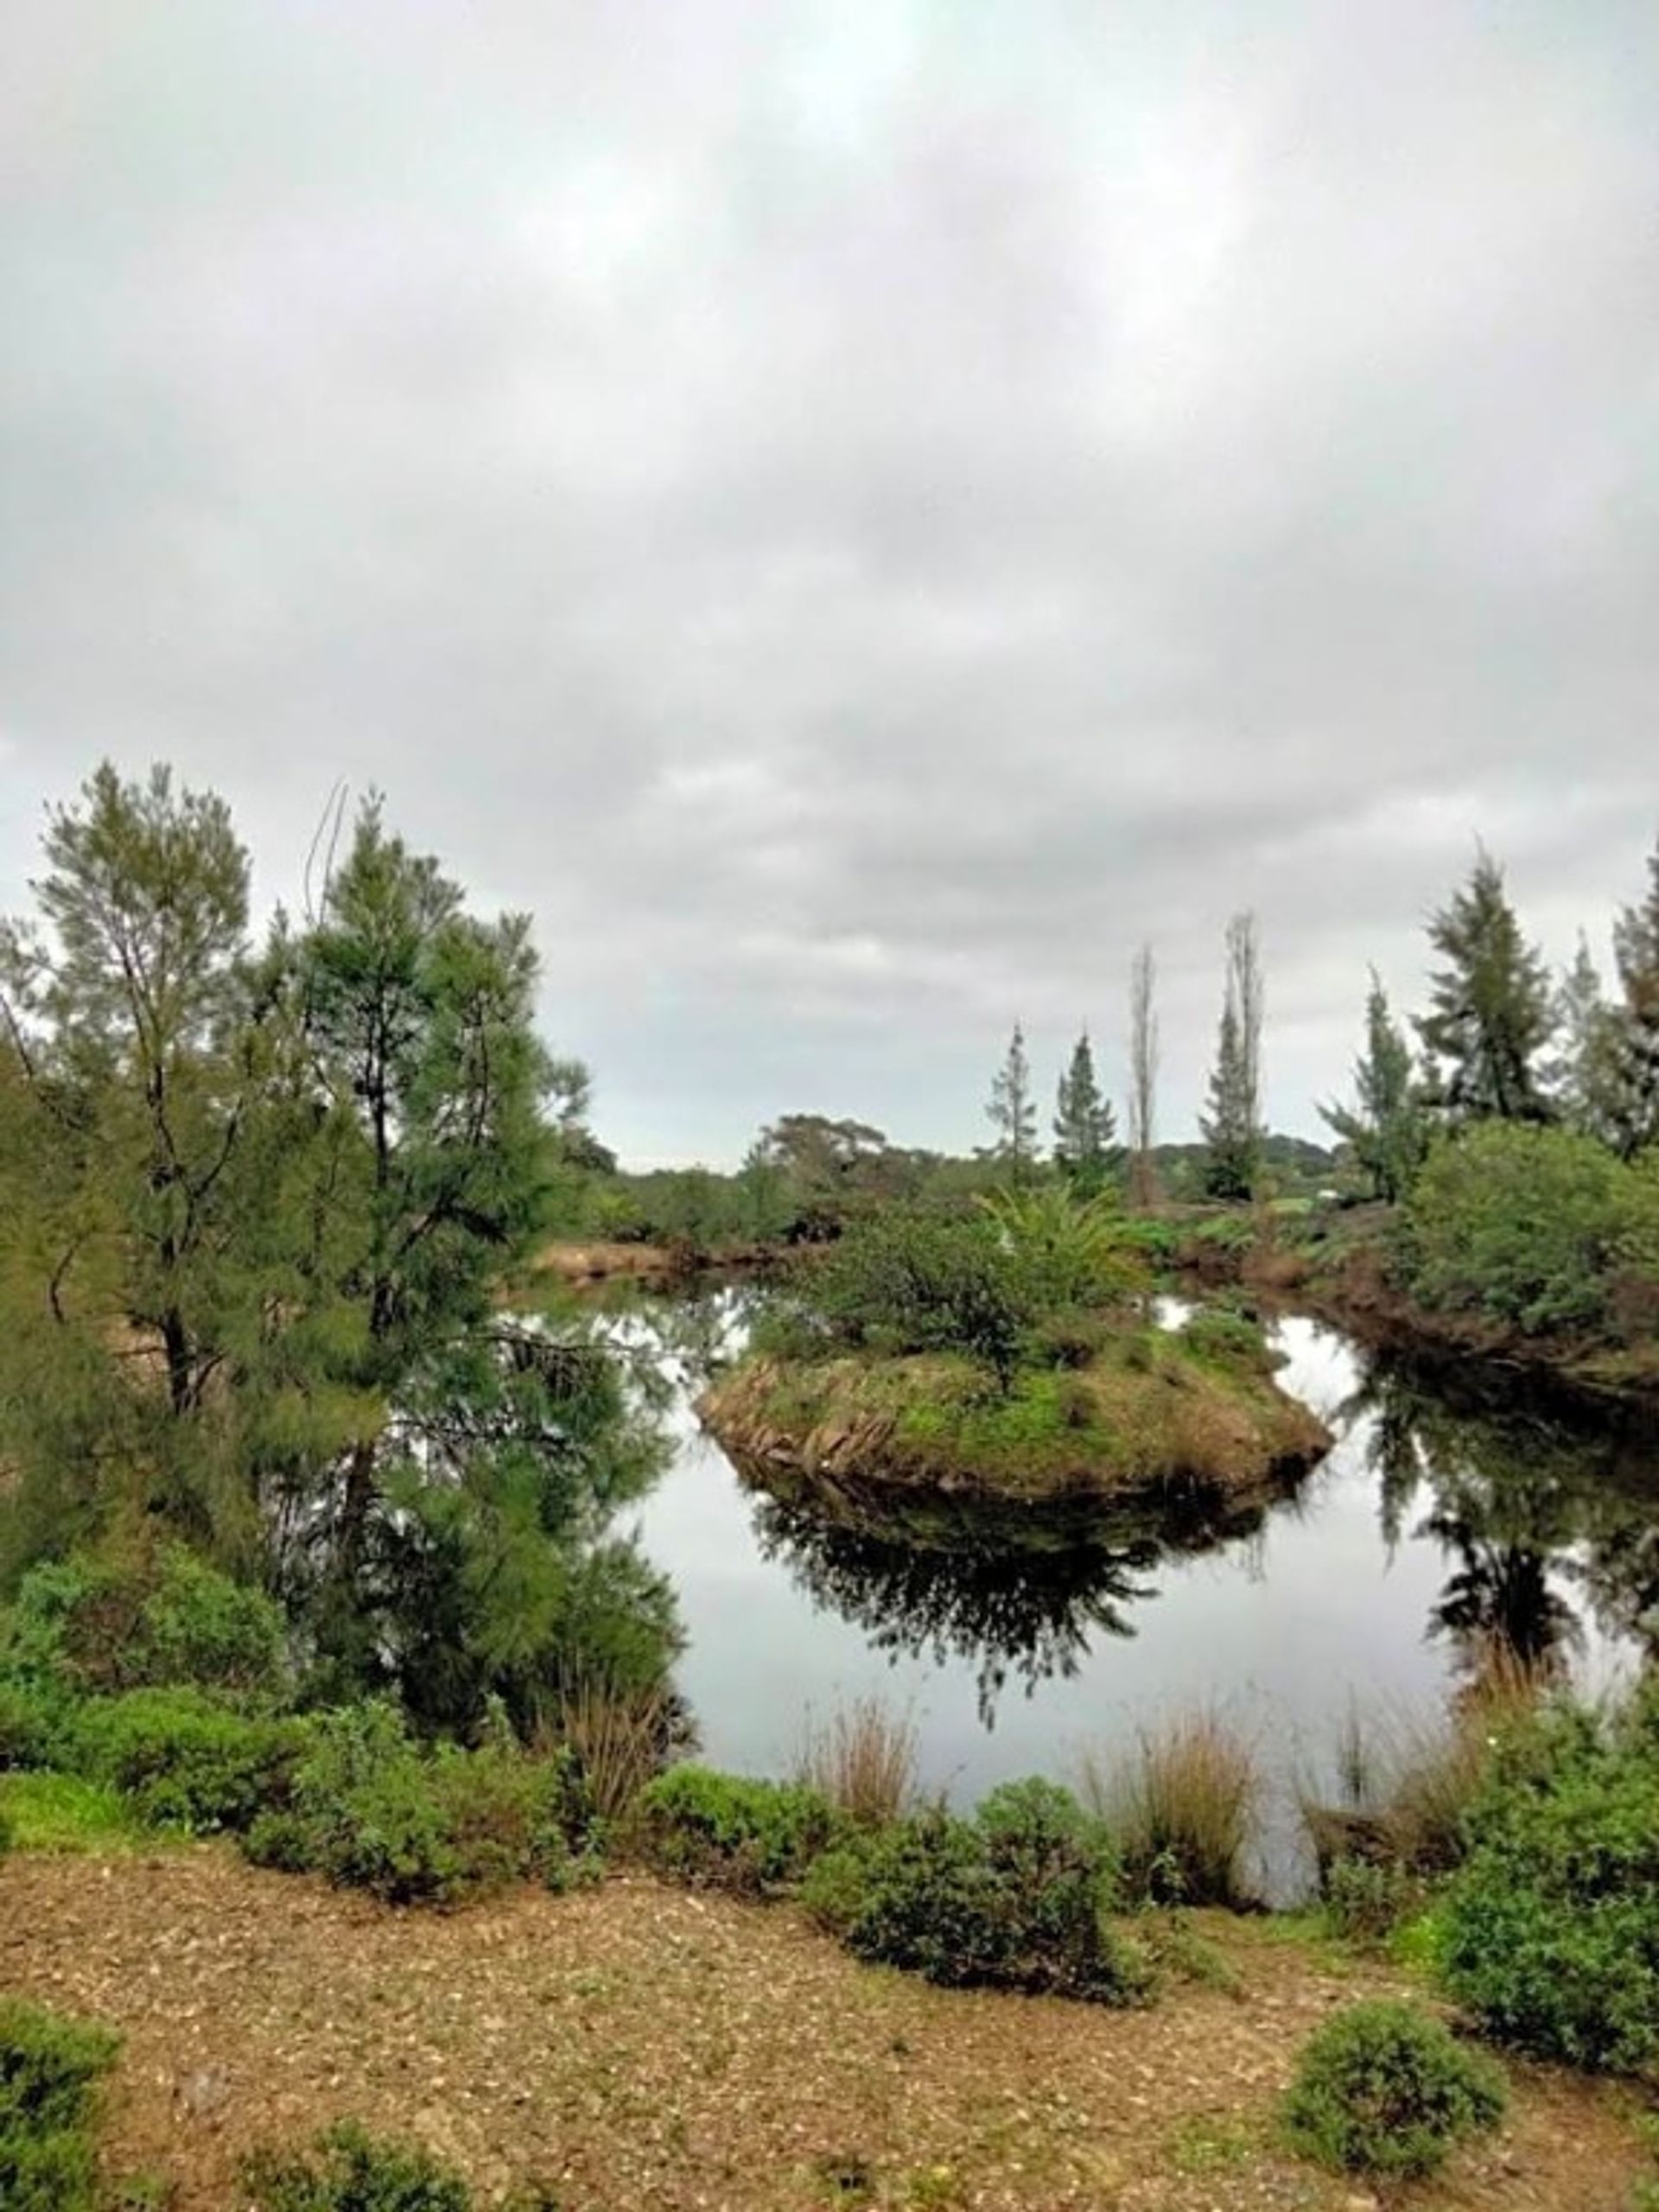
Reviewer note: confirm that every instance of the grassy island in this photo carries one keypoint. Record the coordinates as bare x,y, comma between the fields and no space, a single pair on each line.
1012,1357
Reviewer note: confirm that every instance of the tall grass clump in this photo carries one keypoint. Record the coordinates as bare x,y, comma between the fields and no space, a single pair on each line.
621,1741
864,1761
1405,1785
1183,1806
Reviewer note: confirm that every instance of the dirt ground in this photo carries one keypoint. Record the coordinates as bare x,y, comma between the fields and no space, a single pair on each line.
637,2048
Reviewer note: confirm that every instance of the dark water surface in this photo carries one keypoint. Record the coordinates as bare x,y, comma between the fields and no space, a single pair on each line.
1442,1521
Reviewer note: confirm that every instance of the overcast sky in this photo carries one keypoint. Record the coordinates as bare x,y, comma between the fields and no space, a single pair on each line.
854,514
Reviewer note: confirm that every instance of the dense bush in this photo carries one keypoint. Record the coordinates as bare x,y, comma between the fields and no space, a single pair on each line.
1519,1225
729,1832
185,1759
1012,1899
1551,1925
351,2171
130,1622
372,1809
49,2072
908,1280
1383,2089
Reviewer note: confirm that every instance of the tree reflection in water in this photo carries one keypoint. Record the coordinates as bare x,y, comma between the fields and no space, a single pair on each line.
1525,1498
1017,1594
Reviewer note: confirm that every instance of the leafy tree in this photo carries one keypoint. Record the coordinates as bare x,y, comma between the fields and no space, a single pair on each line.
254,1215
1013,1113
1083,1126
1635,1043
439,1543
827,1169
1232,1127
1519,1224
135,1070
1386,1127
1491,1017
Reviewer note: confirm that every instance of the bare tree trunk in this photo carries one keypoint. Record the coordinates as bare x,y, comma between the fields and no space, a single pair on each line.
1143,1079
1244,981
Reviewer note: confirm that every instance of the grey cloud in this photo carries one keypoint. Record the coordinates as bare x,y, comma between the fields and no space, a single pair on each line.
854,516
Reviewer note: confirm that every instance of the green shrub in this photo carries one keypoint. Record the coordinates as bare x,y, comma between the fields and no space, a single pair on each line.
1227,1340
1365,1899
1551,1925
49,2072
1012,1898
34,1721
351,2171
103,1625
185,1760
1383,2089
1520,1225
372,1809
726,1832
910,1280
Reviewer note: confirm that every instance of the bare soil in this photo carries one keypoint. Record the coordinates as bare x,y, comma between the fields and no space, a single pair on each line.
638,2049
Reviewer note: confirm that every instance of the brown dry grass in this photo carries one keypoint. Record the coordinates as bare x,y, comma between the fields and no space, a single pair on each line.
865,1761
642,2050
1183,1803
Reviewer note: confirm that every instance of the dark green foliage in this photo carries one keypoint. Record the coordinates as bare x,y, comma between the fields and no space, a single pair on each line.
728,1831
1490,1015
50,2069
372,1809
353,2171
912,1281
1085,1129
1551,1925
1383,2089
33,1720
1517,1225
185,1759
1630,1056
1231,1124
136,1620
1012,1899
1387,1128
256,1211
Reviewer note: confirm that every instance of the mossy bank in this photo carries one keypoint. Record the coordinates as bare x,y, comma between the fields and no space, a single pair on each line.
1154,1413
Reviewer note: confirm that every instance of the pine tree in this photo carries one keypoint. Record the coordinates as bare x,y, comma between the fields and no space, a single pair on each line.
1085,1129
1490,1016
1232,1127
1634,1050
1386,1127
1585,1076
1013,1113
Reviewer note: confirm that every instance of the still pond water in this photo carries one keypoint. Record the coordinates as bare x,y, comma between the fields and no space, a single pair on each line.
1441,1518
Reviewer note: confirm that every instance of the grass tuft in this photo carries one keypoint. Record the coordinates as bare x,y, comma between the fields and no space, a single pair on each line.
1183,1804
61,1812
864,1761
